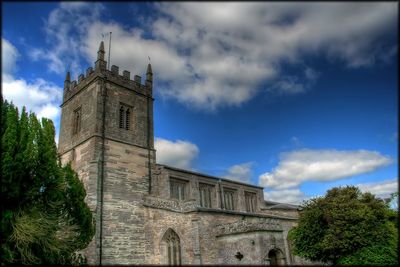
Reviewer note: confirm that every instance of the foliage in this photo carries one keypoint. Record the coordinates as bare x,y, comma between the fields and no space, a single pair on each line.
346,227
44,216
382,253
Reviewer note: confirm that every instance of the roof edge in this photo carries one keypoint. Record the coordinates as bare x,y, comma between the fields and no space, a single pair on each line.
210,176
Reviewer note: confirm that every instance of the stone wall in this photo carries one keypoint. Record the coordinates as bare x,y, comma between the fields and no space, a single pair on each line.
125,183
217,237
126,169
82,149
135,98
163,175
87,101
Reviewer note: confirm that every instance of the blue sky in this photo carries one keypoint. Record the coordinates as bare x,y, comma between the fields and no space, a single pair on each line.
295,97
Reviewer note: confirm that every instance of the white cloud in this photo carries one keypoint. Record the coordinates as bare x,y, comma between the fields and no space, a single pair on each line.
381,189
290,196
40,96
304,165
178,154
65,27
208,55
240,172
9,58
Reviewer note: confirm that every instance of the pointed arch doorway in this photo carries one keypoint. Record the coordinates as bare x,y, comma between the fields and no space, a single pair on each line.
275,257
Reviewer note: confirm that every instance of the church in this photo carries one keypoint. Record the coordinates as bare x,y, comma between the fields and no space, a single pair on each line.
148,213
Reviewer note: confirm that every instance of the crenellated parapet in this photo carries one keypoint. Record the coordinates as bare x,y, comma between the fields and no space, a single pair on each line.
100,71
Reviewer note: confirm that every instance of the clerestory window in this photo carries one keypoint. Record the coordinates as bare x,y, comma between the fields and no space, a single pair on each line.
205,193
250,201
178,189
229,198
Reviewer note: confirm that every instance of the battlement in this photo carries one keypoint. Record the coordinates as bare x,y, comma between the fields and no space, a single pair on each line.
101,72
73,87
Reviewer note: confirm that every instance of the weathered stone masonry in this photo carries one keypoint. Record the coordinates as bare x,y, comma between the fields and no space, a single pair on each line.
140,217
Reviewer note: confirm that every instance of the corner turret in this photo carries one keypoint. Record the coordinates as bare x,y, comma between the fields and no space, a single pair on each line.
67,82
101,63
149,77
101,52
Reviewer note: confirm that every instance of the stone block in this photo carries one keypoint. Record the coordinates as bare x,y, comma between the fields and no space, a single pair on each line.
126,74
115,69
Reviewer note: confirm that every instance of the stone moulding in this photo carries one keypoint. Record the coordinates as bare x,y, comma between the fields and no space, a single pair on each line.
191,205
244,226
170,204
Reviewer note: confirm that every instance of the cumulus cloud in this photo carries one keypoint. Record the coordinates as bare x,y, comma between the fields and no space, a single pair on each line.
304,165
208,55
291,196
39,96
9,58
287,85
178,154
65,27
381,189
240,172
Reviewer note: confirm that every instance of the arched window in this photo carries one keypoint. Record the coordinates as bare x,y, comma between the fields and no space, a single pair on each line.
127,119
171,248
121,117
77,120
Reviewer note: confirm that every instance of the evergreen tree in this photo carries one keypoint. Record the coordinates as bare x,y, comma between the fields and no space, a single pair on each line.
9,142
44,216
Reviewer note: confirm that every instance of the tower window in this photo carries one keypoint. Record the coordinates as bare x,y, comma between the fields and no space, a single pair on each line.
127,119
124,117
77,120
121,117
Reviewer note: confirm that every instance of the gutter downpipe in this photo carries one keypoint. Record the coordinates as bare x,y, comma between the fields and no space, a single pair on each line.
101,182
220,194
148,141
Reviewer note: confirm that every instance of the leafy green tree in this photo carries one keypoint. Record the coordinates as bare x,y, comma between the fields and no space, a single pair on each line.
44,216
346,227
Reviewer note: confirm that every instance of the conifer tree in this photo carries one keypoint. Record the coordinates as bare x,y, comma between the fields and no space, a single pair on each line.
44,216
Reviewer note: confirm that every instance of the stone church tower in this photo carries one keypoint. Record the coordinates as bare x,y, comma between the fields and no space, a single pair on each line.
107,135
149,213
